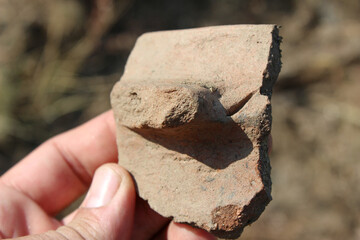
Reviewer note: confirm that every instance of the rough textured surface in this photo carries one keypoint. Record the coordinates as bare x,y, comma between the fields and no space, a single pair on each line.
193,115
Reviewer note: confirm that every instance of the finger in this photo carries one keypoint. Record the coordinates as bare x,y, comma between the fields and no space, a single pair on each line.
177,231
61,169
20,216
147,222
107,211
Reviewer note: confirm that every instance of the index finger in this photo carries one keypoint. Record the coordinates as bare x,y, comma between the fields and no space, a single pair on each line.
61,169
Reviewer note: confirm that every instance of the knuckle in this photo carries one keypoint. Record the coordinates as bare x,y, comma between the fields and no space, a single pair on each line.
82,228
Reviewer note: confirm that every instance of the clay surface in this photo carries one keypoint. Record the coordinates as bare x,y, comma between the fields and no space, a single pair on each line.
193,117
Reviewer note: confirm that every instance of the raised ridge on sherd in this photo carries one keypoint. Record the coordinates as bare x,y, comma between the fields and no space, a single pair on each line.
193,117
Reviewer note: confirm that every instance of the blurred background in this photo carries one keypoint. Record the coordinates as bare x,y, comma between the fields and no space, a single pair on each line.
59,60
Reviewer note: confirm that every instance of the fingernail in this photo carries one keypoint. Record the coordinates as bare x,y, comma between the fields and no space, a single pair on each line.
103,188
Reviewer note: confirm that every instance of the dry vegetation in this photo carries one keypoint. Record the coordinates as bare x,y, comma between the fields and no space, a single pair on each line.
60,58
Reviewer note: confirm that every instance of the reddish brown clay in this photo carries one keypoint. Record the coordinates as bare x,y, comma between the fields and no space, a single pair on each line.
193,117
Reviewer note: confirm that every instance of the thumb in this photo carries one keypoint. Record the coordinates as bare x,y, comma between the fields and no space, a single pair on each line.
107,211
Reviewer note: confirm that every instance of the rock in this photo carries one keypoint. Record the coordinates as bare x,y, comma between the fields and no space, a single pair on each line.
193,117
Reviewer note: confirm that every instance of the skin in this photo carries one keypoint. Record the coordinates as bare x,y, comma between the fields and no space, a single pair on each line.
61,170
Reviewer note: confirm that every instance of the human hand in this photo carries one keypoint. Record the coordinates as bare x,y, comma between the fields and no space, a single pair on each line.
61,170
